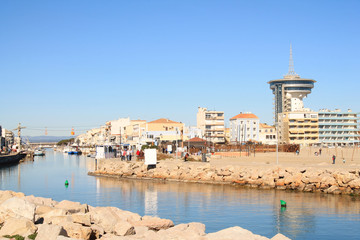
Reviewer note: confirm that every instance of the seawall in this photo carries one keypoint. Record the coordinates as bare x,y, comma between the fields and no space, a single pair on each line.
306,179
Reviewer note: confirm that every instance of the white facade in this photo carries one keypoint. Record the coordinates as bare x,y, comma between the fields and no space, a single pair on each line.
337,128
192,132
118,126
244,127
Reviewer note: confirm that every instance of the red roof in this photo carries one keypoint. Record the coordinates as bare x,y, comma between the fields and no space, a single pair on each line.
196,139
263,125
163,120
244,115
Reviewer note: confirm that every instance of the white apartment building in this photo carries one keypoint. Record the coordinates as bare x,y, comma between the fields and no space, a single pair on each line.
244,127
337,128
212,125
267,134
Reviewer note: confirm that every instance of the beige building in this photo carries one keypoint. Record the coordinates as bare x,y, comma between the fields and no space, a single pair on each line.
267,134
299,128
134,131
212,124
163,130
164,124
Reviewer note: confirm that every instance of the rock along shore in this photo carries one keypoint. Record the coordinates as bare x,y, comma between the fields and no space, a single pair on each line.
46,219
306,179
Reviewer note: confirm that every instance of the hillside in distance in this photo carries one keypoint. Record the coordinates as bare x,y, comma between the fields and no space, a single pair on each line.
37,139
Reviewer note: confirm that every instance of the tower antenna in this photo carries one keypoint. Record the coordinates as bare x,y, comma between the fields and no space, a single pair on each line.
291,63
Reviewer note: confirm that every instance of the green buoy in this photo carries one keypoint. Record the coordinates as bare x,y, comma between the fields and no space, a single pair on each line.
282,203
66,183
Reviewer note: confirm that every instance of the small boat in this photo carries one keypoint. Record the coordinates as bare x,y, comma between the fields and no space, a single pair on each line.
39,152
74,151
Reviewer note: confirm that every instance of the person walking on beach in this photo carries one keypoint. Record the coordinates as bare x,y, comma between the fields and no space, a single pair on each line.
320,151
333,158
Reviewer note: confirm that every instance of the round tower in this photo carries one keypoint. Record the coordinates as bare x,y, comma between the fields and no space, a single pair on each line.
290,90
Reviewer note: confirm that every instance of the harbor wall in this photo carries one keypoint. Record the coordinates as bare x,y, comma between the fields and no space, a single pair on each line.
305,179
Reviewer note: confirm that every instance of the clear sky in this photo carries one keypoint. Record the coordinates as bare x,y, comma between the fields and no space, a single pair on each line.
82,63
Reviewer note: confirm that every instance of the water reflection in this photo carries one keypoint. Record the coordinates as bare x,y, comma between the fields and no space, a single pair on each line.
307,216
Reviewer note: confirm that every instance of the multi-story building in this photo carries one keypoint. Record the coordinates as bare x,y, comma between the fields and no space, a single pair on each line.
9,137
244,127
267,134
290,91
299,128
337,128
118,129
134,131
163,130
212,124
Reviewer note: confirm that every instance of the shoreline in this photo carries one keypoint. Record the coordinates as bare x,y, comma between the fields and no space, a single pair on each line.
296,178
46,219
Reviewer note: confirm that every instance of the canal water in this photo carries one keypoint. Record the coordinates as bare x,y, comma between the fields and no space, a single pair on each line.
307,216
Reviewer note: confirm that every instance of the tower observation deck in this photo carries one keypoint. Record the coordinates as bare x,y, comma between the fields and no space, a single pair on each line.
290,90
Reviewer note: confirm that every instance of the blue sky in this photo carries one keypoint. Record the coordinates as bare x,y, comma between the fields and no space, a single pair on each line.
82,63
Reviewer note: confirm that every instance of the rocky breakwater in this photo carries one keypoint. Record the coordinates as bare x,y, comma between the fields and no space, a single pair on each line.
40,218
306,179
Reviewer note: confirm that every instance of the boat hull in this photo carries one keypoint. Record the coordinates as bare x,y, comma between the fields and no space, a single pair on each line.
11,159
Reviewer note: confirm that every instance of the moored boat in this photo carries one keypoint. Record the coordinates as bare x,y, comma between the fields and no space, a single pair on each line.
75,150
39,152
11,158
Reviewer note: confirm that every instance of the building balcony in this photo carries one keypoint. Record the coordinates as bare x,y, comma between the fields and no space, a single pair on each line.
338,118
339,129
340,124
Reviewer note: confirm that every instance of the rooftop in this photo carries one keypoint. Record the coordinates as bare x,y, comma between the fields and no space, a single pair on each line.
163,120
244,115
264,125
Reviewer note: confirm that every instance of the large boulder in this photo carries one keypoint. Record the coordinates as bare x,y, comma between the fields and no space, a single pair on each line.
154,223
40,201
83,219
123,229
234,233
77,231
183,231
279,236
19,207
354,183
21,226
72,207
97,231
104,217
56,212
49,232
5,195
42,209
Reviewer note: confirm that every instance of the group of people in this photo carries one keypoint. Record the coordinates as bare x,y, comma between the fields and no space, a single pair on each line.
127,154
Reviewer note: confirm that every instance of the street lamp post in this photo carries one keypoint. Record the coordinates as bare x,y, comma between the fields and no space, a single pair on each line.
277,143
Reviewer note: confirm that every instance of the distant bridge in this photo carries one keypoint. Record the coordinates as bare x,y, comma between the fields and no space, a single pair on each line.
43,144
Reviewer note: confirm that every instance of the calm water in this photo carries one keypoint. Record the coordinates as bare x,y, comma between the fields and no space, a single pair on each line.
308,215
